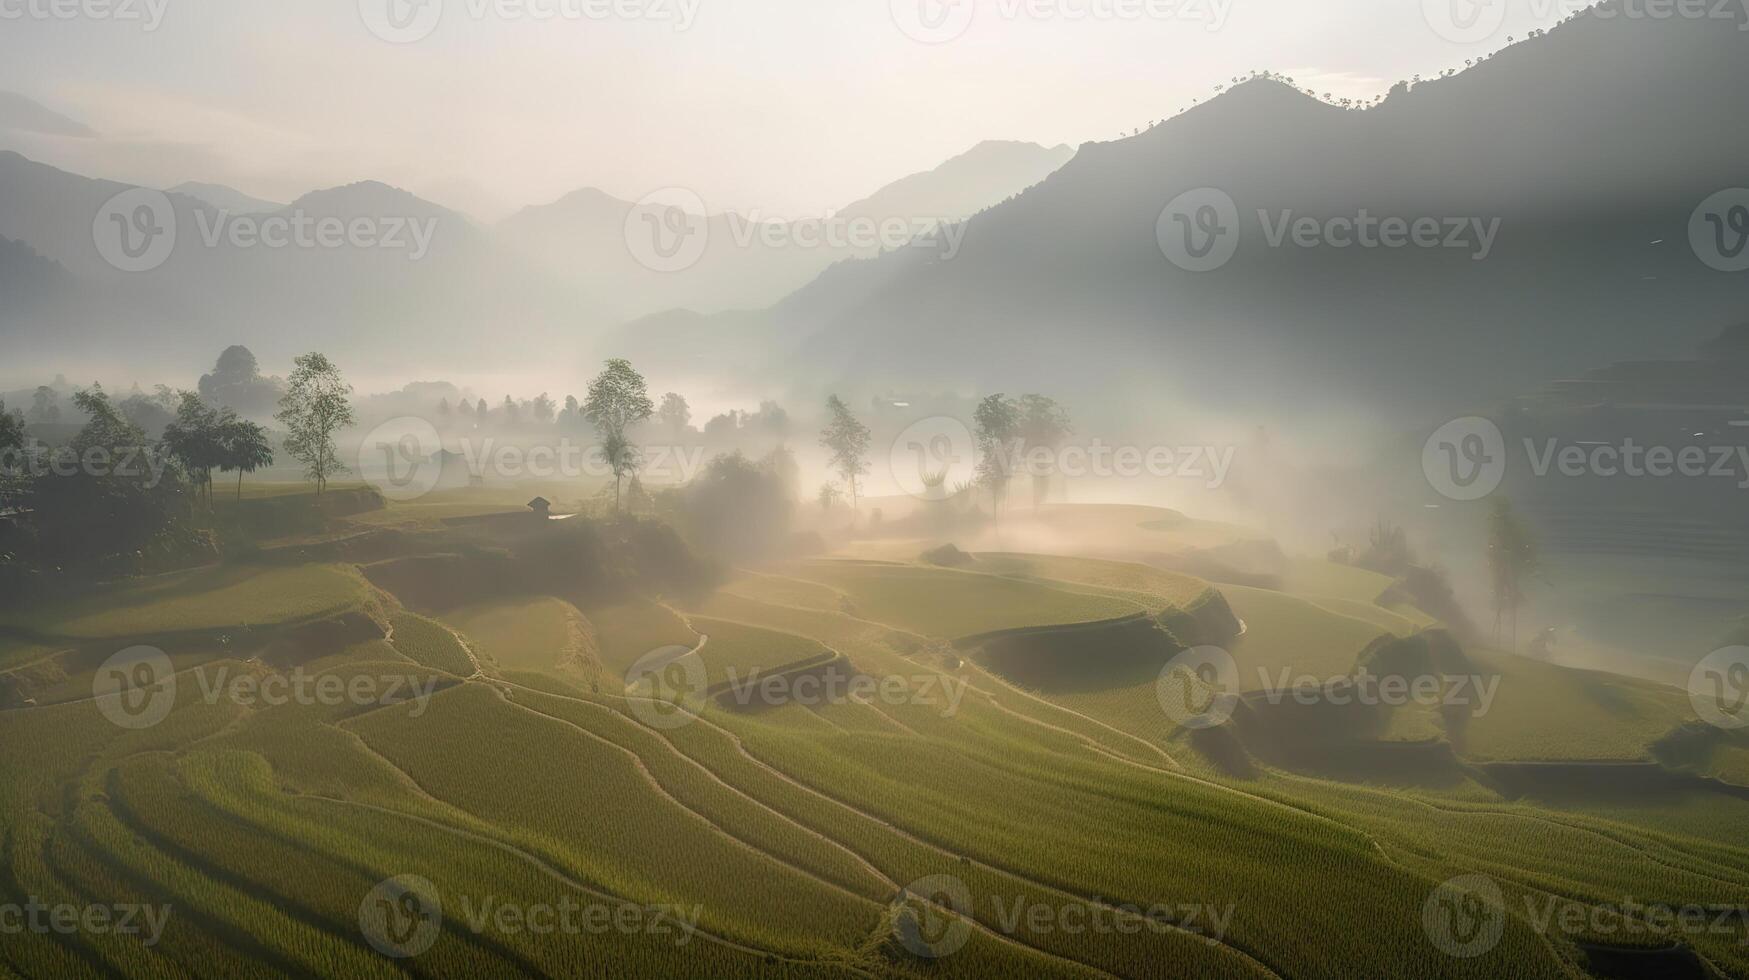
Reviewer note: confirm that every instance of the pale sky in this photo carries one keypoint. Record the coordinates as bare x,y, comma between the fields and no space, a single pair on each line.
791,107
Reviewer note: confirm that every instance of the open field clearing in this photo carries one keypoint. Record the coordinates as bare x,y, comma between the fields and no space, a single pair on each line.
201,600
1544,712
1164,589
953,604
1283,632
526,634
625,631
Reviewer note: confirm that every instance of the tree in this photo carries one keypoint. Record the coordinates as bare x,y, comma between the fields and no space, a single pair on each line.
481,412
1043,424
13,461
244,447
848,440
773,418
11,429
1512,559
781,464
443,410
675,414
736,508
236,383
512,415
192,439
544,409
997,418
315,407
617,399
105,502
828,498
45,405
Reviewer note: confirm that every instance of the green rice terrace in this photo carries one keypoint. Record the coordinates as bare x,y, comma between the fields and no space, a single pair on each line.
835,766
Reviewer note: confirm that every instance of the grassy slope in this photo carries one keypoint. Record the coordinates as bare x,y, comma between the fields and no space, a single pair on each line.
204,599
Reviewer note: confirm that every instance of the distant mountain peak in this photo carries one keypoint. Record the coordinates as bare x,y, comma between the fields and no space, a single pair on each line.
224,198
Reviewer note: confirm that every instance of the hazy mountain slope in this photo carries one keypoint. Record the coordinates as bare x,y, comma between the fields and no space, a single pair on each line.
1591,146
968,183
583,235
421,279
224,198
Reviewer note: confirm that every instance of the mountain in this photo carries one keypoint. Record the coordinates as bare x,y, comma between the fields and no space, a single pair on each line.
415,279
749,261
1590,146
427,284
32,287
224,198
968,183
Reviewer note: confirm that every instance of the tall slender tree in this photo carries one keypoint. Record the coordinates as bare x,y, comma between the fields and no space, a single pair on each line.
847,439
617,399
1512,560
316,406
192,439
998,431
1044,424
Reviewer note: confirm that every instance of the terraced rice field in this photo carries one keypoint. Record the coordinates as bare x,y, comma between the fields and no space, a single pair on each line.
790,838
